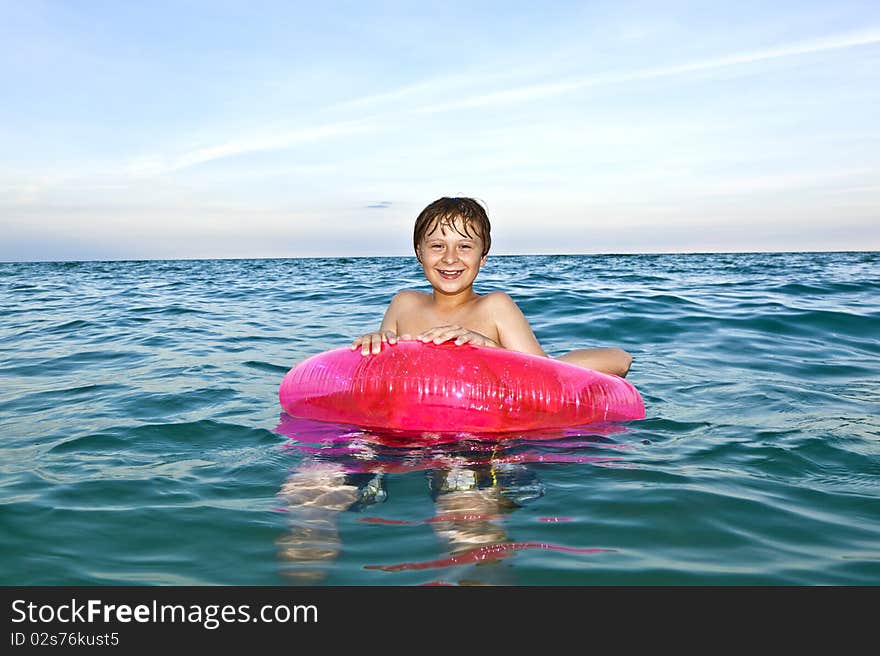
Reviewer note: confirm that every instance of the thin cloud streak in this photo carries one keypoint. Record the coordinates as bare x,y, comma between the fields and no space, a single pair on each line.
400,93
838,42
536,92
152,166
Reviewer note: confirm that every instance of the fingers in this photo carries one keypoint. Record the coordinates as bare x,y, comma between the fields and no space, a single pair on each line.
429,335
442,334
374,346
470,337
372,342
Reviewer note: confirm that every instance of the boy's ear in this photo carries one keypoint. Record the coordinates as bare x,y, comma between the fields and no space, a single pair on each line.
483,260
419,253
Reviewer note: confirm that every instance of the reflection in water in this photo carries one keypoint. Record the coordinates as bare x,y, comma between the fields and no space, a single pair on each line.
467,515
474,484
314,494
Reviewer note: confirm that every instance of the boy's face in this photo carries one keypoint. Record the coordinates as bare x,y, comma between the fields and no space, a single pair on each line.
451,259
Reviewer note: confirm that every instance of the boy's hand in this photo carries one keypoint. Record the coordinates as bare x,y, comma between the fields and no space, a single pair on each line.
372,342
441,334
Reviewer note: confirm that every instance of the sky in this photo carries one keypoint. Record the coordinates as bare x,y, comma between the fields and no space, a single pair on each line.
228,129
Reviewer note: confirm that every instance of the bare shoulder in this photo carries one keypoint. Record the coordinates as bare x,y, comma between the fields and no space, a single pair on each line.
500,302
514,330
403,304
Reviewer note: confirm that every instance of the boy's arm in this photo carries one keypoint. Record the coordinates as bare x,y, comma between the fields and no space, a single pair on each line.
372,342
514,331
389,320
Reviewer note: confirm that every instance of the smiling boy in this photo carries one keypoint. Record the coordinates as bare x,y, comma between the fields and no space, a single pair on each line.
451,238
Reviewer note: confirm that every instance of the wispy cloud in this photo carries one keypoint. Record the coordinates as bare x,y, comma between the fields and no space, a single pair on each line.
382,204
401,93
154,165
429,88
815,46
540,91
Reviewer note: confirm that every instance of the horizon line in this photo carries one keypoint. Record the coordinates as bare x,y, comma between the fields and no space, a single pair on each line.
360,257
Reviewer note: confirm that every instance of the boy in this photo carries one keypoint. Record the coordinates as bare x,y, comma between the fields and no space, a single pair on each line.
452,239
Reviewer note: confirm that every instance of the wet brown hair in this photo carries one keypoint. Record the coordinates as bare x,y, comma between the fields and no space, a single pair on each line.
445,211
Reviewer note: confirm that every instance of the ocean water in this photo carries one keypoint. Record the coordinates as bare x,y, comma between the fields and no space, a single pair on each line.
141,439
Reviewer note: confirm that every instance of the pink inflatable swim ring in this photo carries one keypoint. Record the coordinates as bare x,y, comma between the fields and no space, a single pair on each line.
412,386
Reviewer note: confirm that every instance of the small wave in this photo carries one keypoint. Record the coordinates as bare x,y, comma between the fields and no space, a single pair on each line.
97,442
171,310
78,326
67,363
266,366
79,394
164,404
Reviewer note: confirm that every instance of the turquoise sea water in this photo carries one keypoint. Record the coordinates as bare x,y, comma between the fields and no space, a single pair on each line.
141,440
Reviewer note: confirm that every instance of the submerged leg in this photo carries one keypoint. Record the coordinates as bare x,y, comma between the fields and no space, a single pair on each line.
607,360
314,494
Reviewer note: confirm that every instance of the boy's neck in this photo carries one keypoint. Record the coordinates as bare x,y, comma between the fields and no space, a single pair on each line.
450,302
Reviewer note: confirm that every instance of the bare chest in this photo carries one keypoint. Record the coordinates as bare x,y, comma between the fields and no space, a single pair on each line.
424,316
